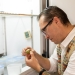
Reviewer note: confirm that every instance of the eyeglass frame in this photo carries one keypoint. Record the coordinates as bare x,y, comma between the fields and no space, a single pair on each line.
43,29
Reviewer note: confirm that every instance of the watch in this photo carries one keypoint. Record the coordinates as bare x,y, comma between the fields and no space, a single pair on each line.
40,73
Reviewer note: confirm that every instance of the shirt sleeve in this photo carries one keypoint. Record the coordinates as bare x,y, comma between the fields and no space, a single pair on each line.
70,70
53,61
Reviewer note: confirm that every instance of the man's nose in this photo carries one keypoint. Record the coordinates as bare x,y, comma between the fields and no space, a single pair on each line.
47,37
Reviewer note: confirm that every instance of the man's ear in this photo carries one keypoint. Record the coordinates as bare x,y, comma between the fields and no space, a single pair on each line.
56,20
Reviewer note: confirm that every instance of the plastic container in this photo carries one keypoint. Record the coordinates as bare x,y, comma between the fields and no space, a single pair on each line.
14,69
10,61
20,59
2,61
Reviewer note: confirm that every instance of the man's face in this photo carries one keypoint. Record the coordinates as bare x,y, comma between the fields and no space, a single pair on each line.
51,30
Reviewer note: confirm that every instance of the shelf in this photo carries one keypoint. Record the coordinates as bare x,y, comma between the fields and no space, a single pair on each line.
4,14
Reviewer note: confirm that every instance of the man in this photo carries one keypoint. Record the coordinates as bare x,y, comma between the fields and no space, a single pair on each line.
55,25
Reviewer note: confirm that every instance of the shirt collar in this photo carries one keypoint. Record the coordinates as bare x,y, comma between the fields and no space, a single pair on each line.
68,38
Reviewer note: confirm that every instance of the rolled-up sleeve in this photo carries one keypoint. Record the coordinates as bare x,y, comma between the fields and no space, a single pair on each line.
53,61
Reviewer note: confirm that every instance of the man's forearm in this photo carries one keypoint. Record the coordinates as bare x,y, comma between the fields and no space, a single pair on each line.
44,62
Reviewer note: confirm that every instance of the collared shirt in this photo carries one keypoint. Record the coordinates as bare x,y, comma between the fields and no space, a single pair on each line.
70,70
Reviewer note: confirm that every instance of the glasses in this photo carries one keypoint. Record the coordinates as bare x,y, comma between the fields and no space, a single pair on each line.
43,30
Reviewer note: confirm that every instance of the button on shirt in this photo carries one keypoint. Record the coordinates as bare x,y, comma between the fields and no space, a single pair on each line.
70,70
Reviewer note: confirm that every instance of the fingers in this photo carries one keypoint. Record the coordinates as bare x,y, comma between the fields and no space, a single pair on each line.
32,62
31,53
30,58
27,48
23,51
27,53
